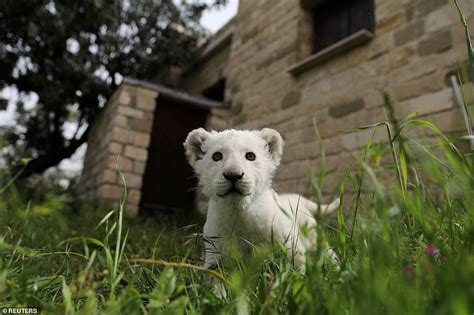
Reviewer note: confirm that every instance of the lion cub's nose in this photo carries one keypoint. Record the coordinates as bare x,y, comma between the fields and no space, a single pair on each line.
233,177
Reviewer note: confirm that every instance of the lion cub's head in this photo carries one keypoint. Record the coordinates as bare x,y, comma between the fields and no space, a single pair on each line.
234,164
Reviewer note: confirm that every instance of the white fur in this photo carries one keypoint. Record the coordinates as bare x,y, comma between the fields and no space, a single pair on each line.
256,214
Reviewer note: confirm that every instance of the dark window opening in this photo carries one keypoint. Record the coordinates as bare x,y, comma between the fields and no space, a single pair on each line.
216,91
335,20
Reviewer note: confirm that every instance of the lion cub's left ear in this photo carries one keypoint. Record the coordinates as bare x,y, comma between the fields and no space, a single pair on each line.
193,145
274,143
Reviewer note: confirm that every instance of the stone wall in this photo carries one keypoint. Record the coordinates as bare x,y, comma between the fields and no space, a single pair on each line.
123,129
417,44
209,68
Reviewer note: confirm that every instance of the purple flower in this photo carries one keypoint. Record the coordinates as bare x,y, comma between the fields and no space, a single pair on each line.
432,251
270,285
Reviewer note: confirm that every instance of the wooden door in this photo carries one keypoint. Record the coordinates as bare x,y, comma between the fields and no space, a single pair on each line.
169,182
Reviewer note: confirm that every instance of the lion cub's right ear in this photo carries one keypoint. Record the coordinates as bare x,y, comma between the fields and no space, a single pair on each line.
193,145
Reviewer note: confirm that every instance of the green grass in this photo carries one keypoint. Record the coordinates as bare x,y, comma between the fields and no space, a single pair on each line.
405,242
406,245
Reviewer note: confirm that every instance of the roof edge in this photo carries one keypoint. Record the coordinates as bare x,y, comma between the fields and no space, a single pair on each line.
221,38
176,95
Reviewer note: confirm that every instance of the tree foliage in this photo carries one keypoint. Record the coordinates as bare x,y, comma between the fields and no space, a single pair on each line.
73,54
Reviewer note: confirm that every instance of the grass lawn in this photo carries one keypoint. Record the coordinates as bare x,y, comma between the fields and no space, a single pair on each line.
405,247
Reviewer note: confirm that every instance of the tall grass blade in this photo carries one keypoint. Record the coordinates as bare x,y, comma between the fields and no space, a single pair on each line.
470,49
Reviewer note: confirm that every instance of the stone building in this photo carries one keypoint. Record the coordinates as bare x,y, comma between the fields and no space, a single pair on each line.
282,64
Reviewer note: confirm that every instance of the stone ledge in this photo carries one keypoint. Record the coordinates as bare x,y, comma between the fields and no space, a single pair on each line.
347,43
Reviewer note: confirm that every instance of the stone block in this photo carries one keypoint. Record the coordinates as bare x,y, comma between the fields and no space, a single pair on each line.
295,170
391,22
402,56
120,134
115,148
292,98
109,176
423,7
133,180
344,109
414,88
298,152
273,56
292,186
139,167
436,43
415,70
145,102
240,119
124,164
143,125
236,108
411,31
134,196
131,112
448,121
136,153
379,46
424,104
124,97
109,191
373,98
343,79
141,139
355,140
441,19
120,120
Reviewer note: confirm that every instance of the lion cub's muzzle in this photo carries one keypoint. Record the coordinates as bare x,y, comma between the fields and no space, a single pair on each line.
234,184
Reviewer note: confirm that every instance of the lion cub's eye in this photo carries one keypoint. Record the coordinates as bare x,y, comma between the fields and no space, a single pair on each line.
217,156
250,156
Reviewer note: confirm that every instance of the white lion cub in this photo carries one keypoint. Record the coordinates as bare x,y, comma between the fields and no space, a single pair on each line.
235,169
